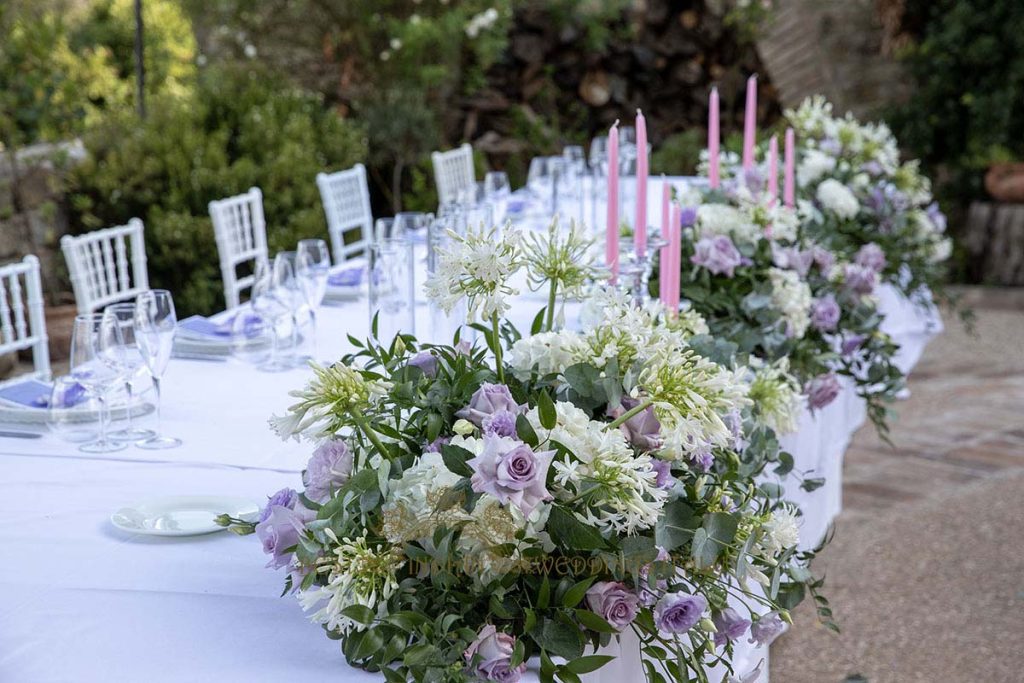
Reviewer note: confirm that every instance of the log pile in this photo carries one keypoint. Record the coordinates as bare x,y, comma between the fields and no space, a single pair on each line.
662,56
995,241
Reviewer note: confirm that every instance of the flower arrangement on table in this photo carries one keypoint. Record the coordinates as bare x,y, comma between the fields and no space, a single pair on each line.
859,194
801,315
469,508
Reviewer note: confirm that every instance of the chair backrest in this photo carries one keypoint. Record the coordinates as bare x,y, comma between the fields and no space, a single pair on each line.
346,202
453,171
98,263
22,319
241,234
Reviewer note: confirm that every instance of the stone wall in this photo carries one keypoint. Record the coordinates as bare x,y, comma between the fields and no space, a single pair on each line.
840,48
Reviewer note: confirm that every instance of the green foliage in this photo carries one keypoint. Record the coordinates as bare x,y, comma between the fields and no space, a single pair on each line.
679,154
966,111
240,128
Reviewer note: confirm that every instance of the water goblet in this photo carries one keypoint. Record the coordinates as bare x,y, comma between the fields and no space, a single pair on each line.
155,325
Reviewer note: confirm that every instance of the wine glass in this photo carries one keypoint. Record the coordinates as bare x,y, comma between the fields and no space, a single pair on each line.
134,368
313,264
288,288
95,341
497,191
155,324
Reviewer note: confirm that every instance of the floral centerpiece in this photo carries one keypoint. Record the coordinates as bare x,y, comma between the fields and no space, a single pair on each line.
801,314
469,508
860,194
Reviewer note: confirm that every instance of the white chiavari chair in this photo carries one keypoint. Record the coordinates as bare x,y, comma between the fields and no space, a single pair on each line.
346,202
22,318
453,172
241,233
106,265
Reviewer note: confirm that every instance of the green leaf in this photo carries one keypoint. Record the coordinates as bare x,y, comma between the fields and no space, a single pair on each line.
525,431
420,655
568,532
812,484
546,411
360,614
559,639
585,665
372,641
538,321
594,622
575,595
544,595
676,526
455,458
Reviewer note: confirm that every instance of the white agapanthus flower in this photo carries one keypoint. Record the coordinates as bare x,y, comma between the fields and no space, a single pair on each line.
478,267
837,198
792,298
327,400
780,532
357,574
777,397
619,489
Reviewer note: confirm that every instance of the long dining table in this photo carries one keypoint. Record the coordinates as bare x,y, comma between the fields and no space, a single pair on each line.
81,600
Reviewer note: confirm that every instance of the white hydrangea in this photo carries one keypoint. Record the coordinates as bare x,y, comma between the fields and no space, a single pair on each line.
838,199
545,353
780,531
815,164
722,219
785,223
409,511
941,250
792,298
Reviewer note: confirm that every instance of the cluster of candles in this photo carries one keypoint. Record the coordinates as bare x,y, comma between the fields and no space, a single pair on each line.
671,215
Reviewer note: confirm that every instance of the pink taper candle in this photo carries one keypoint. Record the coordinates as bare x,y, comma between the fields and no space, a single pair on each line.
611,248
666,193
714,137
773,170
750,124
789,181
674,246
640,228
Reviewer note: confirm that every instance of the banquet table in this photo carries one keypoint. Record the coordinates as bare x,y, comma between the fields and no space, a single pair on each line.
81,600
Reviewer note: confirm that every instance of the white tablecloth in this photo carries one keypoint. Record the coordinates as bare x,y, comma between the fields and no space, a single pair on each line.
81,601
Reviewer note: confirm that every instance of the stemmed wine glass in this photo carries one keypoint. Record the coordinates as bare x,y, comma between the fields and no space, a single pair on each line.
289,290
497,191
155,324
95,344
269,307
313,265
132,365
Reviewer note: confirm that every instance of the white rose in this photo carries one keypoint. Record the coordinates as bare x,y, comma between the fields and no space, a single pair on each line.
838,199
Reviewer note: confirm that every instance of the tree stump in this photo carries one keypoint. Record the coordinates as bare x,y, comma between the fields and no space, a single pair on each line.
995,240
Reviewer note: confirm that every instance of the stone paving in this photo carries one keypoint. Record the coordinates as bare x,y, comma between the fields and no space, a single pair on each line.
926,570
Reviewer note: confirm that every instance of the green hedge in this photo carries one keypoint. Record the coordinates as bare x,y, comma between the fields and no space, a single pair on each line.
240,127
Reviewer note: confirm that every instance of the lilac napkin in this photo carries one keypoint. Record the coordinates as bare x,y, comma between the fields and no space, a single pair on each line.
205,327
351,276
35,394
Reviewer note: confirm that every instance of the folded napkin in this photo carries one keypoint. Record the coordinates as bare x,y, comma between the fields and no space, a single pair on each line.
205,327
350,276
35,394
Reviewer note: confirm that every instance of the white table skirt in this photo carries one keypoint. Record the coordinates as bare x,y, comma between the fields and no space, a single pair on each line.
82,601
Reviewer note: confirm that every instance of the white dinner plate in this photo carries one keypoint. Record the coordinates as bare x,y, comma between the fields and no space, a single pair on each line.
181,515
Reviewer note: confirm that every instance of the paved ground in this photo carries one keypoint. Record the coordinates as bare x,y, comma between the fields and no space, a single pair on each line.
926,571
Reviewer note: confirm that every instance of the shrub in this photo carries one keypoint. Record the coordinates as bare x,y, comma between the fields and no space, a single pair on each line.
241,127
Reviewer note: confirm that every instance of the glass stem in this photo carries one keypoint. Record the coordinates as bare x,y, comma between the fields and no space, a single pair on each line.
313,331
159,418
101,397
128,413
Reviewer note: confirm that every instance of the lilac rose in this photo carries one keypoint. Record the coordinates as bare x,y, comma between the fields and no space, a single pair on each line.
286,498
730,626
718,254
792,258
510,471
859,279
871,256
614,603
823,258
487,400
825,313
663,472
851,343
426,362
501,423
328,469
767,628
822,390
679,612
435,445
643,429
688,216
490,656
280,531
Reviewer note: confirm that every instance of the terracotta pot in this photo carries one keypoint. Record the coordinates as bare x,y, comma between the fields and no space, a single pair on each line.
1005,182
59,323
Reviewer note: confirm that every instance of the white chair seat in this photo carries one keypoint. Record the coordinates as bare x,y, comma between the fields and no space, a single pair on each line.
22,318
